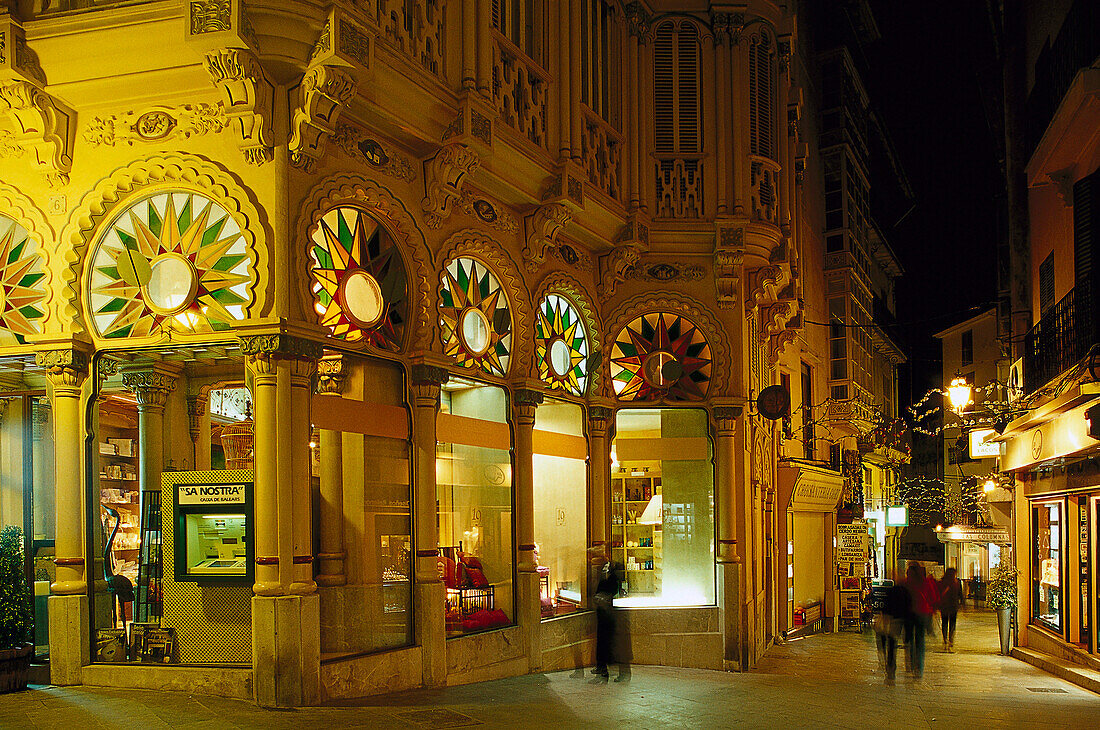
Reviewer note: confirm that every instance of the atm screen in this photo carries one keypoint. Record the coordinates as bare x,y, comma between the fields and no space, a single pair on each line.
215,544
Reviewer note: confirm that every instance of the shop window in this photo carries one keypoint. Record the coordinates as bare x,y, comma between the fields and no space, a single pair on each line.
561,507
27,492
660,355
662,507
474,496
174,555
359,283
475,317
561,345
372,611
1047,564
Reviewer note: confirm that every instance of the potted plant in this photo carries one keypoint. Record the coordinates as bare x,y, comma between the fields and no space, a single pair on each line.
1001,596
15,613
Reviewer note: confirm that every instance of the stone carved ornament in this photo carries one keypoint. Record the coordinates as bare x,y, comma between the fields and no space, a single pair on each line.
156,124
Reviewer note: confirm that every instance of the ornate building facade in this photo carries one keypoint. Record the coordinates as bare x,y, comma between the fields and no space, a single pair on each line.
341,344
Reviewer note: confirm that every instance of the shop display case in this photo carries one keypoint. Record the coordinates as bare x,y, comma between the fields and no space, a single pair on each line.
636,529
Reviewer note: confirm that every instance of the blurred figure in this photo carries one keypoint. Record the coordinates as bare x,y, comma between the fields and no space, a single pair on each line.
890,625
609,647
922,594
950,593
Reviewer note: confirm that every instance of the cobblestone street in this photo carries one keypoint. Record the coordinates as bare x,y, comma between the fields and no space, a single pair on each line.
821,681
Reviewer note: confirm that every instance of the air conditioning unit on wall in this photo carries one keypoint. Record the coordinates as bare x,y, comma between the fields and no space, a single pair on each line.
1016,381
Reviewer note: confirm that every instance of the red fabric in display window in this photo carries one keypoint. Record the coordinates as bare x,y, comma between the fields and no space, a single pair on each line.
476,577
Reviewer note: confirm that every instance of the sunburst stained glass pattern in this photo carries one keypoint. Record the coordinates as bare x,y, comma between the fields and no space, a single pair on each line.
561,345
21,291
359,282
171,261
475,318
660,356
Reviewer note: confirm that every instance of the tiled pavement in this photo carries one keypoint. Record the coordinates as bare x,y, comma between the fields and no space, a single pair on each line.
821,681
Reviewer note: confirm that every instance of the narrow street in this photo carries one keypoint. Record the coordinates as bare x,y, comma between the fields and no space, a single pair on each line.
821,681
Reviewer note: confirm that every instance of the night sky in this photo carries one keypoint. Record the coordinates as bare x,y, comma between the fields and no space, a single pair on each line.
935,82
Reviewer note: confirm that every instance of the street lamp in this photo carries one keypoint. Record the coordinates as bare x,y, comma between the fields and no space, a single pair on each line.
958,393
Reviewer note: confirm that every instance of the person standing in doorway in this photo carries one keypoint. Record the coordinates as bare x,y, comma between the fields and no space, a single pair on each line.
951,597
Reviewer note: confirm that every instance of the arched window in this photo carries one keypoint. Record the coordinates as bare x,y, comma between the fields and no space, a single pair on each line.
22,294
359,283
660,355
561,345
762,97
172,260
475,317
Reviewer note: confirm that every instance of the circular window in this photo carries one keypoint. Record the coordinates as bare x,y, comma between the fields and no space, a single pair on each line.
661,369
475,331
362,298
172,284
561,357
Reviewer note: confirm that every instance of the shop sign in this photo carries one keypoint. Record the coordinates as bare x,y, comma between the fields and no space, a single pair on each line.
897,515
851,543
210,494
974,534
980,448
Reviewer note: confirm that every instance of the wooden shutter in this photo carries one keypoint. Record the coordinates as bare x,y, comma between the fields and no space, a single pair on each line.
1086,230
663,93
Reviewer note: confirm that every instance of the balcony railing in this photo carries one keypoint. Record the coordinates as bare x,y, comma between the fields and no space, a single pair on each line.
679,186
1060,339
1075,47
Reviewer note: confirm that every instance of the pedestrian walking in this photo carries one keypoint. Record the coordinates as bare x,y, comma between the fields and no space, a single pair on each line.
890,626
922,593
951,598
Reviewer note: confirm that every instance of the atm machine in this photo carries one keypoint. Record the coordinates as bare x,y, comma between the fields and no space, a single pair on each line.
213,533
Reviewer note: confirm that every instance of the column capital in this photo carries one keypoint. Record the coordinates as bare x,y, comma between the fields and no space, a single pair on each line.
196,409
524,402
600,418
726,415
278,345
425,374
65,368
637,21
331,374
151,387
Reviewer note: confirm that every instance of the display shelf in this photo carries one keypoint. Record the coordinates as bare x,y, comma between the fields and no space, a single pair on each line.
630,495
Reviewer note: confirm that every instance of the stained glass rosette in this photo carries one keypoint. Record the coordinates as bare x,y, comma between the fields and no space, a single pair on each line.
474,316
359,283
170,261
561,345
21,284
660,356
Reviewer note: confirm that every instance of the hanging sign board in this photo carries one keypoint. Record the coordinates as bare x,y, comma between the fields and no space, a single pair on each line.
851,543
980,447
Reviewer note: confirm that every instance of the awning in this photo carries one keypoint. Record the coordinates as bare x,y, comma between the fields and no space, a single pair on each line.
962,533
808,488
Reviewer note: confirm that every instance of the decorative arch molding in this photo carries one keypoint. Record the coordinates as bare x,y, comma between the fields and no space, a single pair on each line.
19,208
473,243
147,177
695,312
679,19
559,282
380,202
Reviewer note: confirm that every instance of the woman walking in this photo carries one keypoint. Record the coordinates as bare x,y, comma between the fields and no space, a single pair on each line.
922,590
951,597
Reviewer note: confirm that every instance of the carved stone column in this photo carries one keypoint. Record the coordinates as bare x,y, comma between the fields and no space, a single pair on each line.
601,421
151,388
525,400
286,618
70,641
199,429
728,501
426,379
301,392
330,380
